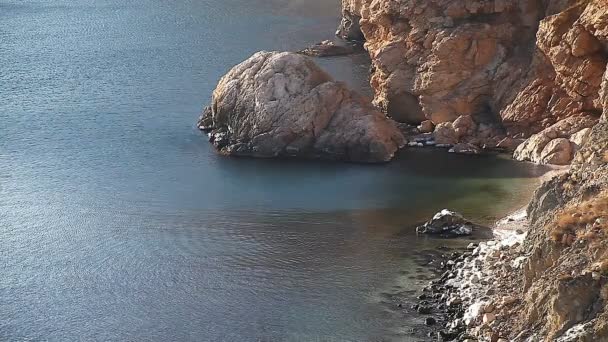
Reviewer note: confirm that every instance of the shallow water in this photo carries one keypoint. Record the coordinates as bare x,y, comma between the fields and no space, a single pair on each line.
119,222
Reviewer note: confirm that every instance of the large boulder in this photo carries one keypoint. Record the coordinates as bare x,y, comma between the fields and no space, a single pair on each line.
281,104
445,134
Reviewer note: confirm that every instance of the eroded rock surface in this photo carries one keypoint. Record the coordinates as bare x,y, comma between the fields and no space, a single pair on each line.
518,66
283,105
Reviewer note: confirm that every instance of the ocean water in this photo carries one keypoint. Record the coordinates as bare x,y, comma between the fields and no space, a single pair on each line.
118,222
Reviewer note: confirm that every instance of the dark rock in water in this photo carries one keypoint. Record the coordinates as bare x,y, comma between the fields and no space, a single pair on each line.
447,335
447,223
327,48
430,321
424,310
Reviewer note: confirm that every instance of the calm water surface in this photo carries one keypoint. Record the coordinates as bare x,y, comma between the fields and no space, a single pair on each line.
118,222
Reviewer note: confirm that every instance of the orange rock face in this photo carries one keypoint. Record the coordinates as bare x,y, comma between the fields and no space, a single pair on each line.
525,65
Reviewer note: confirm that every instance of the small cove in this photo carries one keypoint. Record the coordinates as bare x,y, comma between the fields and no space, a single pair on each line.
119,222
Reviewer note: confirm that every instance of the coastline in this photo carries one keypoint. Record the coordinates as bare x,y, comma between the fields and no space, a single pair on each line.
461,303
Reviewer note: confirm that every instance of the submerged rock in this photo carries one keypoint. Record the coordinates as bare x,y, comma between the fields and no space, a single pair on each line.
281,104
327,48
464,148
447,223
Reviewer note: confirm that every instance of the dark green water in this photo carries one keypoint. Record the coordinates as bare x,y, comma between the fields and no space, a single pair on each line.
118,222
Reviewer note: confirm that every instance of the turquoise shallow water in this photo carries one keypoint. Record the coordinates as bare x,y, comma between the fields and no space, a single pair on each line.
118,221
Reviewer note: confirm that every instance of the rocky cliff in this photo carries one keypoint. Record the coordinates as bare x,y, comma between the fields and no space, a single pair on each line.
521,69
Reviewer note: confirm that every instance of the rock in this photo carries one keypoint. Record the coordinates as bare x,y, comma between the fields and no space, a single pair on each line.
551,146
488,318
349,28
283,105
454,302
426,126
424,310
509,144
430,321
463,148
447,223
557,152
506,301
445,134
464,126
327,48
579,138
205,122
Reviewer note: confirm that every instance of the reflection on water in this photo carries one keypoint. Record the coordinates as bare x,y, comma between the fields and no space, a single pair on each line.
118,222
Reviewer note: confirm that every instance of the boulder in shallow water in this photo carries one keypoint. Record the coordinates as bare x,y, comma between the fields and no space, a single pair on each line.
464,148
447,223
281,104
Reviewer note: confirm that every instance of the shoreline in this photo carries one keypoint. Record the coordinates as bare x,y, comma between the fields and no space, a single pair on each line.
461,300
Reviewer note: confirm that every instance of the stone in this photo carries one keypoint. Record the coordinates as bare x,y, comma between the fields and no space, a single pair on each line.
579,138
557,152
424,310
430,321
551,146
447,223
281,104
445,134
488,318
464,126
464,148
327,48
349,28
426,126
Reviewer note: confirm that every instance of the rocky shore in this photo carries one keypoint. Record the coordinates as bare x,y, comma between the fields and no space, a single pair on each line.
544,277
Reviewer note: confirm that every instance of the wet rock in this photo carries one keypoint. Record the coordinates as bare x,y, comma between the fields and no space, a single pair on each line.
447,223
327,48
424,310
430,321
464,148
